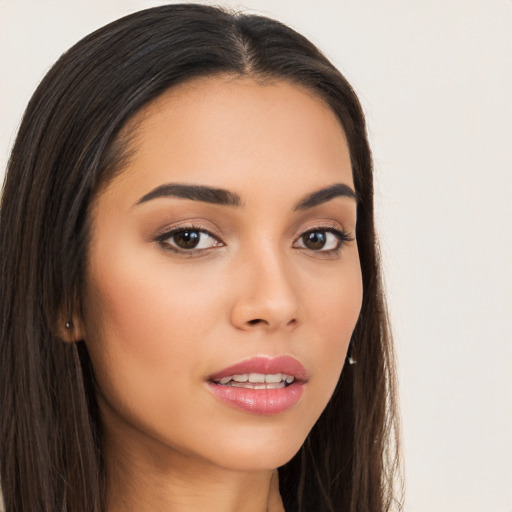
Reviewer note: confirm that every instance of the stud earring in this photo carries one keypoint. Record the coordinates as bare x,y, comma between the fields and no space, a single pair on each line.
69,325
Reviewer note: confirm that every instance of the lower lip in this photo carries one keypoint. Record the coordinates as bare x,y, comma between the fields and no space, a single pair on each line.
259,401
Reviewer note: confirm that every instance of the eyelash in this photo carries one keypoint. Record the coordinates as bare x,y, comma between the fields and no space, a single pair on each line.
342,238
163,239
341,235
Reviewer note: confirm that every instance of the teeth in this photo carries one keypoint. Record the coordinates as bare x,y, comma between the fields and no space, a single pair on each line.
258,380
258,385
275,385
256,377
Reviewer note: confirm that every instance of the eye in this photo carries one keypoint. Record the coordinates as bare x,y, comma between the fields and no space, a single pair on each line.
323,240
188,239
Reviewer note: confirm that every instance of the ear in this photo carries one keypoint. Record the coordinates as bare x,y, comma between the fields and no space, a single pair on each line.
70,327
71,331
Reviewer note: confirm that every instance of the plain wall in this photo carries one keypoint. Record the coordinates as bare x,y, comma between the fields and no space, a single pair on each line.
435,79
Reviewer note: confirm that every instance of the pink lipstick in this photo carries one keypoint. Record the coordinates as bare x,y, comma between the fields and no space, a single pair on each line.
261,385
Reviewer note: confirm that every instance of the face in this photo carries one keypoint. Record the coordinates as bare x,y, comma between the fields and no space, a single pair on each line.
225,248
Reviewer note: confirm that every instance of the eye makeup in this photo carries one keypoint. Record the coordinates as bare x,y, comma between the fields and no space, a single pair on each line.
188,238
324,241
191,239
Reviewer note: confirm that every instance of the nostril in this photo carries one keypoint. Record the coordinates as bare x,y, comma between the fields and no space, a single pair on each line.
255,321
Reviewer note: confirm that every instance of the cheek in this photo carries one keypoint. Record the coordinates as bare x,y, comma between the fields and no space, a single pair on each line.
148,347
334,313
142,304
142,327
339,293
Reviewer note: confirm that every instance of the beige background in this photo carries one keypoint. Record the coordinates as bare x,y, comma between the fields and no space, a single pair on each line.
435,79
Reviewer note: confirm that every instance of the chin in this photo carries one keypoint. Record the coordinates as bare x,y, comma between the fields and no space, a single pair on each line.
257,449
258,460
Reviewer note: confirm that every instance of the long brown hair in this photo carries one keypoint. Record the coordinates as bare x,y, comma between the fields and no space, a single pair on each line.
68,145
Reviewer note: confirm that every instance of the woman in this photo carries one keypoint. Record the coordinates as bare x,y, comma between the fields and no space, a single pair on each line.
188,259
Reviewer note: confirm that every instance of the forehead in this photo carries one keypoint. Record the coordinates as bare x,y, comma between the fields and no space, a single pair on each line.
228,131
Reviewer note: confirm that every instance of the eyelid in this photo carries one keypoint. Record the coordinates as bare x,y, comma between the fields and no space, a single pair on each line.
331,226
186,226
343,237
335,228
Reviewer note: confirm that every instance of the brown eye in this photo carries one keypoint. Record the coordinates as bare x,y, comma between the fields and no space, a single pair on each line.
188,239
323,240
314,240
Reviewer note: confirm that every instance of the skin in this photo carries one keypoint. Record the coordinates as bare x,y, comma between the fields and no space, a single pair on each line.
158,321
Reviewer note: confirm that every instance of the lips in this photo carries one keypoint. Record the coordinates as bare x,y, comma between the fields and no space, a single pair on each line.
260,385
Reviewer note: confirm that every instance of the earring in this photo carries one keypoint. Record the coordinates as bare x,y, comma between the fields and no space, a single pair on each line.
69,325
351,361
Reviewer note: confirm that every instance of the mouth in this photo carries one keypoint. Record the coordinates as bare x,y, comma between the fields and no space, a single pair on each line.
257,381
261,385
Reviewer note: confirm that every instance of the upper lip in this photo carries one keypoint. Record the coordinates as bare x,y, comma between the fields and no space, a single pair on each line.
266,365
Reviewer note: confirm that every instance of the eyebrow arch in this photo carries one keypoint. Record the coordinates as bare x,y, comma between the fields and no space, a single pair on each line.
194,193
226,198
325,194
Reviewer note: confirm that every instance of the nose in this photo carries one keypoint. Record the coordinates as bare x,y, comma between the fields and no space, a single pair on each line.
267,295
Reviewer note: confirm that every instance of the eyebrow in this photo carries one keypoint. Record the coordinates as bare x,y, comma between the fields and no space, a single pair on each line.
224,197
326,194
194,193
